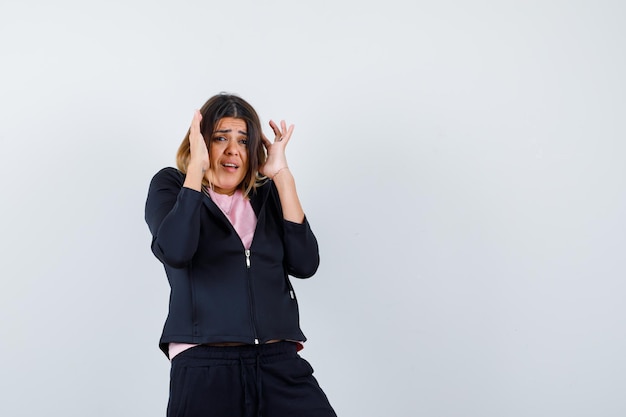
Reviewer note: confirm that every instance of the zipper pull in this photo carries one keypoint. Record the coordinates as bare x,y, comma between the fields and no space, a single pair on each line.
248,258
256,341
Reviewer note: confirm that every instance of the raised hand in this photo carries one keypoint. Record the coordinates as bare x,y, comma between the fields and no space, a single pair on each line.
199,164
199,154
276,158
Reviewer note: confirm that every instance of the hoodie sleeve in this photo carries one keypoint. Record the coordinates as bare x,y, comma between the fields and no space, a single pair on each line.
301,251
173,217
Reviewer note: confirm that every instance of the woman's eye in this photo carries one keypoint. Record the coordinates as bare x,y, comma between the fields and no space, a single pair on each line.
244,141
219,138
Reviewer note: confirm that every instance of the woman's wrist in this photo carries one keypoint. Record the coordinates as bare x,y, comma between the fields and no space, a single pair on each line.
286,187
283,169
194,176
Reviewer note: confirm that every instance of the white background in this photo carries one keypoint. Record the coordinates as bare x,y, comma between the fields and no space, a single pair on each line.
461,162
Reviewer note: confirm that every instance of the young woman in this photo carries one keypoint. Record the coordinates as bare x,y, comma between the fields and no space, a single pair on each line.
229,229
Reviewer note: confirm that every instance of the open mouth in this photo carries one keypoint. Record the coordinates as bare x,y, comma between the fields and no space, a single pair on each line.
229,165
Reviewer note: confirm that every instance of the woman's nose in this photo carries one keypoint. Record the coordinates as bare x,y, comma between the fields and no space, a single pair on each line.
231,149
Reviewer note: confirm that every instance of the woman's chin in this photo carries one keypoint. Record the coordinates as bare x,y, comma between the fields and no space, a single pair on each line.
223,187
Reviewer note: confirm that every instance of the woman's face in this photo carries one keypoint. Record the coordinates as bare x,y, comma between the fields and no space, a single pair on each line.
228,154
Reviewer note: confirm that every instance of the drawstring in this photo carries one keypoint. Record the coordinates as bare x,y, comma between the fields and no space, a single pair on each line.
259,385
244,378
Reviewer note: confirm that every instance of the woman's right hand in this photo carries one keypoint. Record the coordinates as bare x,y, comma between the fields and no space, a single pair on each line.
199,154
199,162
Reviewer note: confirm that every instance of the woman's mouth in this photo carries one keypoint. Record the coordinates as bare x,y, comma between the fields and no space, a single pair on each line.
229,166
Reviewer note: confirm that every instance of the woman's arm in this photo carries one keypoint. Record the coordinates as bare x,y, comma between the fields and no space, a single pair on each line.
173,204
276,168
173,217
289,201
301,250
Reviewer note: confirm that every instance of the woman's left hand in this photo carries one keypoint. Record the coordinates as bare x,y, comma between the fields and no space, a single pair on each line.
276,158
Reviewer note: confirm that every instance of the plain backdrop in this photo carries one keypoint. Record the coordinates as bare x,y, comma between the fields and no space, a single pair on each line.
462,164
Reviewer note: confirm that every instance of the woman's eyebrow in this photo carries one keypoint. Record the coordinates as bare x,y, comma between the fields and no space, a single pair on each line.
241,132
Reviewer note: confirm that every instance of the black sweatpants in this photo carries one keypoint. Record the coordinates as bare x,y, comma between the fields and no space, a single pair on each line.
269,380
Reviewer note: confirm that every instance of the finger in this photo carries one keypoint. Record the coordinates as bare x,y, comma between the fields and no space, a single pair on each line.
192,127
275,128
287,132
195,123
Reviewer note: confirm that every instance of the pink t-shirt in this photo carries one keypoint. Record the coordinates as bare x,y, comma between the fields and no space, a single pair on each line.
239,211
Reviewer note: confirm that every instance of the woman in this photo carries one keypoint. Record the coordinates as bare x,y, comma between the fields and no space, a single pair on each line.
229,229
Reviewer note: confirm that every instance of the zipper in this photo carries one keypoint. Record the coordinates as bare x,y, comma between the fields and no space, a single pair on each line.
251,297
247,255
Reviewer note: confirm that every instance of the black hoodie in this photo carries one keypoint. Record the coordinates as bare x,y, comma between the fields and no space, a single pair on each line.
219,291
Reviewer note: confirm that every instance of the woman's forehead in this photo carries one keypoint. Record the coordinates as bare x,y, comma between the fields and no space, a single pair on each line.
231,124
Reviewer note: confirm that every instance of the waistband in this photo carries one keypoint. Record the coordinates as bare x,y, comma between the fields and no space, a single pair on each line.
266,353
